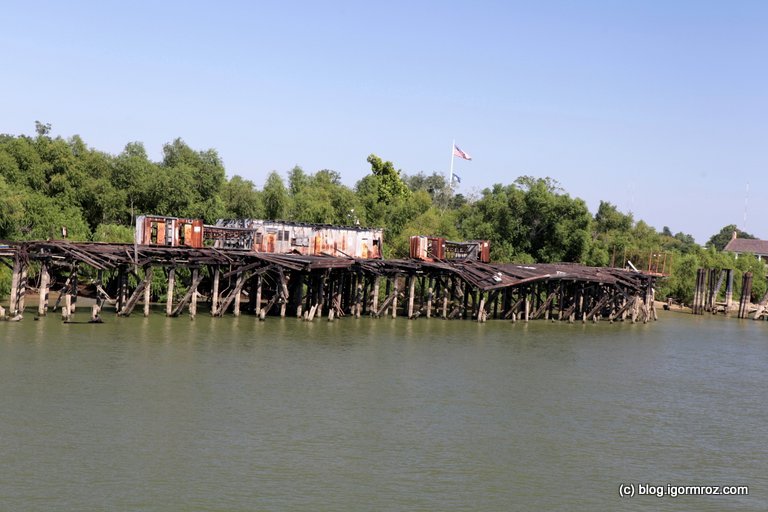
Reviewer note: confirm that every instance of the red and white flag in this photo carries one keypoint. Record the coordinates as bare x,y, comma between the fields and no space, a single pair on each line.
461,154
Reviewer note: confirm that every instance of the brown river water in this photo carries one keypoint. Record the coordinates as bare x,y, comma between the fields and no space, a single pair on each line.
233,414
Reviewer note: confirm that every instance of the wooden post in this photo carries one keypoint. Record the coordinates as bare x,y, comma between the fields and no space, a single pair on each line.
148,273
394,300
258,293
123,290
13,306
446,292
193,299
359,299
527,305
321,296
120,297
236,307
45,279
387,293
18,289
411,291
332,285
746,293
729,291
429,303
337,301
73,305
298,292
375,297
66,311
467,292
171,282
215,291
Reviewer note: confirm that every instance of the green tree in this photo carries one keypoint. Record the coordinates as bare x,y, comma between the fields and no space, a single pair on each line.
435,185
113,233
322,198
242,199
298,180
720,240
275,197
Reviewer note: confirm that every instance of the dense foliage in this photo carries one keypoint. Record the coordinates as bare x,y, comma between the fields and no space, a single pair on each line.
47,184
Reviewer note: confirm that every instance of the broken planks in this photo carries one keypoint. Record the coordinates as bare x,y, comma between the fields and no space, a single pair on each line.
308,286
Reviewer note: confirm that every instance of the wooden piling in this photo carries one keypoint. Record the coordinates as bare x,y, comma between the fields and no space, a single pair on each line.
16,284
394,298
375,297
193,292
729,291
169,299
215,291
66,310
45,279
411,291
148,274
746,293
259,284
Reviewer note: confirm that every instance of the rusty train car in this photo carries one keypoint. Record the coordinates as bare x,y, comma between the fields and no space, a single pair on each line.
169,231
433,248
282,237
270,236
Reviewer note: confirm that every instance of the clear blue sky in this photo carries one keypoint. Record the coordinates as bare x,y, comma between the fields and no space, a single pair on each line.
659,107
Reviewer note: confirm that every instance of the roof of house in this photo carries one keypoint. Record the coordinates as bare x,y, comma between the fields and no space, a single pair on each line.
741,245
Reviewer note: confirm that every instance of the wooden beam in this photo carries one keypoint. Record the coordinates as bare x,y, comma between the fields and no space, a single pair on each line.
148,273
235,292
215,291
171,283
45,279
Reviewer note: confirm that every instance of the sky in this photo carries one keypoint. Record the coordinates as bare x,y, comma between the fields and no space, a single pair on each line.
658,107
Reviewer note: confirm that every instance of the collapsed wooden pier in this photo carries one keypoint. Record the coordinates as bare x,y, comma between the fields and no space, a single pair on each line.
709,282
122,276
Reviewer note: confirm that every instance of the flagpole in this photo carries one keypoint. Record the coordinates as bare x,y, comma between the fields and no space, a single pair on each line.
450,179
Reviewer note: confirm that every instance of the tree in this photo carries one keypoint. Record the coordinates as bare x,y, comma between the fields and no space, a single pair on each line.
12,210
608,218
721,239
435,185
297,180
42,129
275,197
134,174
241,199
381,194
322,198
389,184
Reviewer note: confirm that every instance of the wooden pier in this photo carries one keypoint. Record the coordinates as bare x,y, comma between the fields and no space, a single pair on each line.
121,276
709,283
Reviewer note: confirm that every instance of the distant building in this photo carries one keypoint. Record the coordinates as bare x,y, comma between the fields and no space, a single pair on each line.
748,245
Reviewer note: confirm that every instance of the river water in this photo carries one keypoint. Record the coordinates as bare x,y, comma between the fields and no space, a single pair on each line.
234,414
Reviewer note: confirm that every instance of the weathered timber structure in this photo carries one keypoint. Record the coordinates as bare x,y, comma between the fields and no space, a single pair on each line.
308,286
709,282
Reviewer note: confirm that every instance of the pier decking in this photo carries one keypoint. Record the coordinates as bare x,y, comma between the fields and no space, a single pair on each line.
122,276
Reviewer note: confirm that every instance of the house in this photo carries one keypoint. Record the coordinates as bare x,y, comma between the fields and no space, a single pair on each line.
747,245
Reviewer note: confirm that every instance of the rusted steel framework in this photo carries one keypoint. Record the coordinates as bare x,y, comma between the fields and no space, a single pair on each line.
308,287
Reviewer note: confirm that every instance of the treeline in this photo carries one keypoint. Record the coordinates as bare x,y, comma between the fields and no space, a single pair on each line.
48,183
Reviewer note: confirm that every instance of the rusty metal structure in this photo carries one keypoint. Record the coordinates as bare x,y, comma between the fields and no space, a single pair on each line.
310,286
283,237
169,231
270,236
433,248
